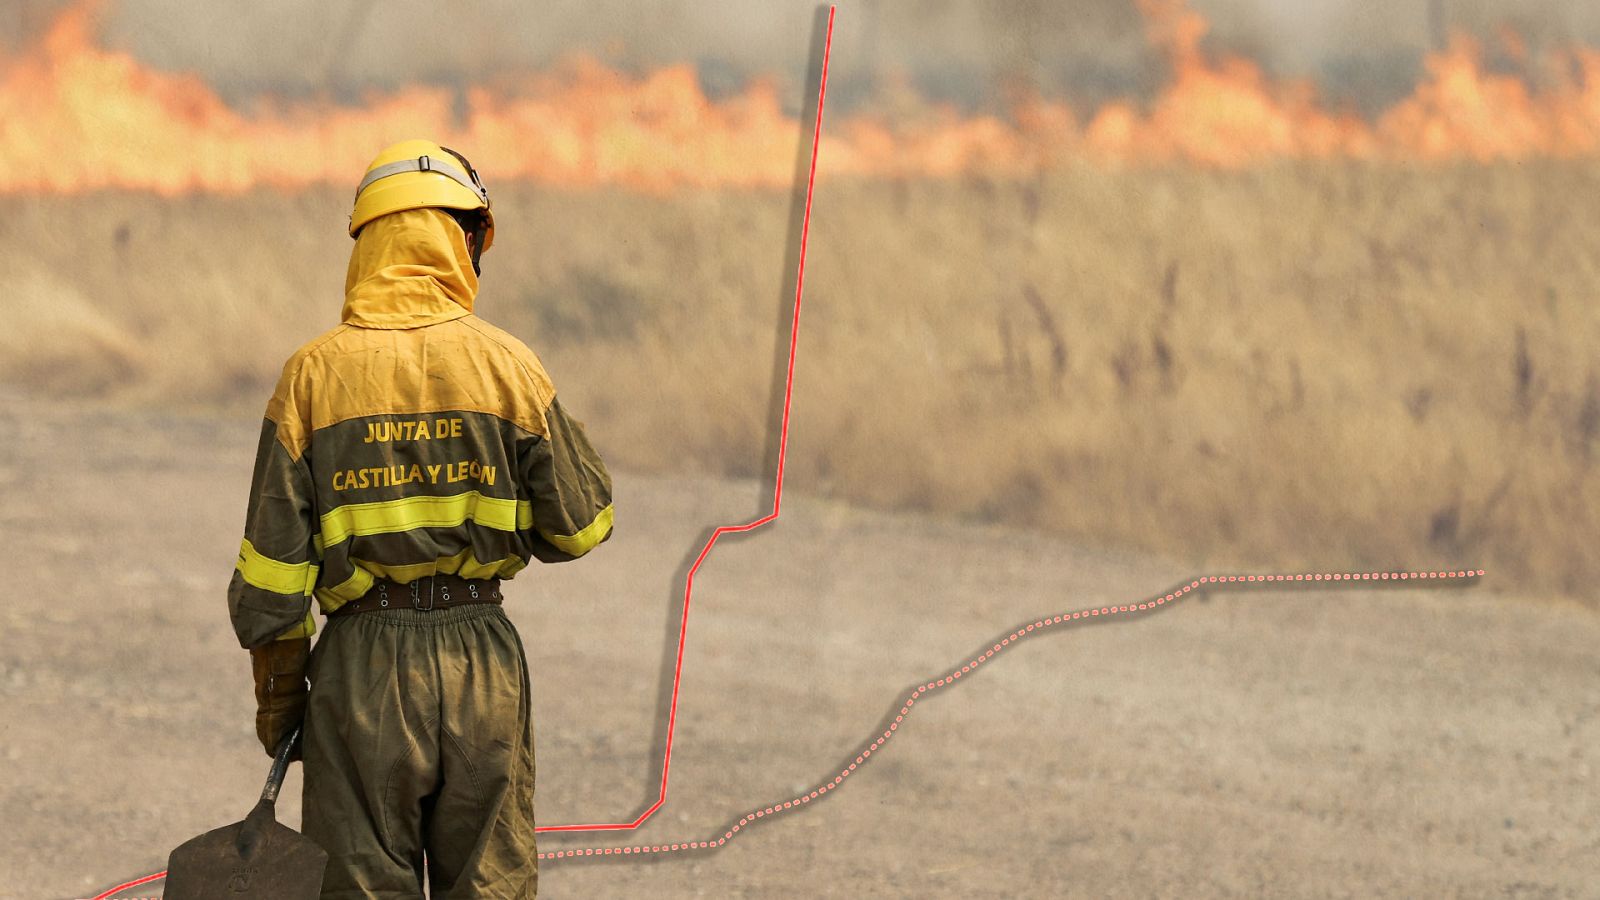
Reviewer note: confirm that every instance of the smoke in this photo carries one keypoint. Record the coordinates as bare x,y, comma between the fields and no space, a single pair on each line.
1364,51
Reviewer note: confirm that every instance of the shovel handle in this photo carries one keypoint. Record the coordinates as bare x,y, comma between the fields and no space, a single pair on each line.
280,766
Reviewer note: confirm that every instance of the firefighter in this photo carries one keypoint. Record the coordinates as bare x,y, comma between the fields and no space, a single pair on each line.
412,460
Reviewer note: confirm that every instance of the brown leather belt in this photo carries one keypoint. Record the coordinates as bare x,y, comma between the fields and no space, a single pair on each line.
433,592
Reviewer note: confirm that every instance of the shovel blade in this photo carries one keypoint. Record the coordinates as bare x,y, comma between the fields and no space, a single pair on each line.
256,858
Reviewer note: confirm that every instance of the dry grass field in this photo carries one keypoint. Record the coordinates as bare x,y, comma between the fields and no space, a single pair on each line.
1296,366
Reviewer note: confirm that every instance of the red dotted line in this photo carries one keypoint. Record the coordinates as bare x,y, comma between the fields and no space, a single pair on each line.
947,680
967,668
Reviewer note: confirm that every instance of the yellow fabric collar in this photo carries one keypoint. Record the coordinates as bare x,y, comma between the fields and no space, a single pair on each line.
409,269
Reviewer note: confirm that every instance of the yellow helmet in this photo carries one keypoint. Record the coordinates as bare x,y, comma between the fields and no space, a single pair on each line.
417,174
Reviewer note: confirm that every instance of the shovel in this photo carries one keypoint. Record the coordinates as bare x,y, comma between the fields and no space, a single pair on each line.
256,858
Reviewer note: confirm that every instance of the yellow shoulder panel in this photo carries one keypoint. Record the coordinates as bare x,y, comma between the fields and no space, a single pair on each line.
463,364
287,408
538,381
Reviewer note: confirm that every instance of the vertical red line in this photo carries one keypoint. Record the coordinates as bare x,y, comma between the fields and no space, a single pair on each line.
800,276
777,488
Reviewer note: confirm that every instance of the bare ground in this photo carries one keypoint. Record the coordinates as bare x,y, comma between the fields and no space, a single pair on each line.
1354,743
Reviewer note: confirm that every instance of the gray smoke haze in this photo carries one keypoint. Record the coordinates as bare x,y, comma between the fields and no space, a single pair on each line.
1365,51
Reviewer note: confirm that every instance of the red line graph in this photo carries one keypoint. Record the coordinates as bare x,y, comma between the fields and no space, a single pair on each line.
777,490
1021,633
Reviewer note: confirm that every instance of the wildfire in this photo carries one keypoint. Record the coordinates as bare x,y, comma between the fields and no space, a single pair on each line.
75,116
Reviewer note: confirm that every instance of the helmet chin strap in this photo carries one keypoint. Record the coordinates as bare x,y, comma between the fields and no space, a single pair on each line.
471,222
479,230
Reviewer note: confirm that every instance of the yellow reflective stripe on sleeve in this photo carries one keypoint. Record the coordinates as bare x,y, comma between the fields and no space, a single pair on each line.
510,566
389,516
304,630
585,540
359,582
270,575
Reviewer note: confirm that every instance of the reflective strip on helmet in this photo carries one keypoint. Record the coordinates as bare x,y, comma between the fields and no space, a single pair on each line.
425,164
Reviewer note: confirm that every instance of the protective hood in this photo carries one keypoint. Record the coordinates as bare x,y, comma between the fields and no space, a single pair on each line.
409,269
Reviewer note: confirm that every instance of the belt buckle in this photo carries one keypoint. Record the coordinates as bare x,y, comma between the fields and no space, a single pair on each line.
416,598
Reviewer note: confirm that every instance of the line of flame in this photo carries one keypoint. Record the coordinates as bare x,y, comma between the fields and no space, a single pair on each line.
76,116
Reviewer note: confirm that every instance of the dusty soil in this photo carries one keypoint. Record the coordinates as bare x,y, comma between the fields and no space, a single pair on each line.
1352,743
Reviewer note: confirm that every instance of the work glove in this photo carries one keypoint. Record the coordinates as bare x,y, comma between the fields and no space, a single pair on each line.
279,668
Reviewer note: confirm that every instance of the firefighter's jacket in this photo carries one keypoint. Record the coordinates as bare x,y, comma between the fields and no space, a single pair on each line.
413,438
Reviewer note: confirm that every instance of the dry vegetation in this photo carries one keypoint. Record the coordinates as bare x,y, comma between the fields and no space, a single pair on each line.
1332,367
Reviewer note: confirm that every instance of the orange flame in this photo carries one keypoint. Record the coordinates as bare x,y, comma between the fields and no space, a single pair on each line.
75,116
1226,114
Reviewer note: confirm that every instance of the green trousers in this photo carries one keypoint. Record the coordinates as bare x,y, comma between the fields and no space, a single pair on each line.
419,756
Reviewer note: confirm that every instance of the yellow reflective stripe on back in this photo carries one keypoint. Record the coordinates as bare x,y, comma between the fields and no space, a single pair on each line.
500,568
462,564
270,575
389,516
585,540
404,574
